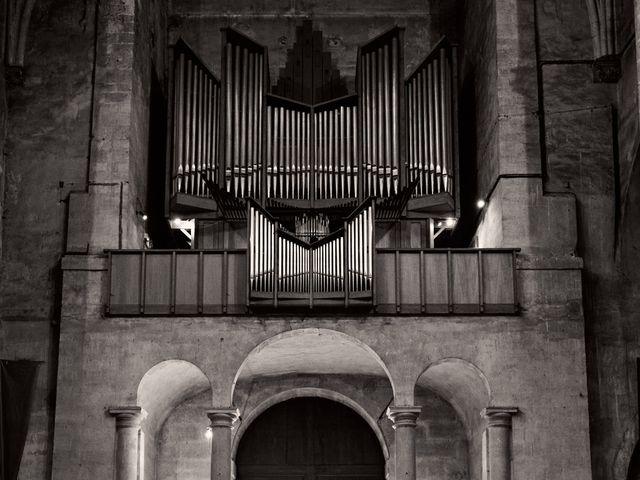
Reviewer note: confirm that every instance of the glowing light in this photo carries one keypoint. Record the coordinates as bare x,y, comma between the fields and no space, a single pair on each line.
450,222
208,433
481,203
144,217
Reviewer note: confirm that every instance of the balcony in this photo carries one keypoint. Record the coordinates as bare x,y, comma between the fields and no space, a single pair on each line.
401,281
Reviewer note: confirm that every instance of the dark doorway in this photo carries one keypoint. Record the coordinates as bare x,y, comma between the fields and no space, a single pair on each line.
309,439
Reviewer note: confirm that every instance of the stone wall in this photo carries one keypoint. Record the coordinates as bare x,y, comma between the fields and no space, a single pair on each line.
534,361
46,158
590,144
345,25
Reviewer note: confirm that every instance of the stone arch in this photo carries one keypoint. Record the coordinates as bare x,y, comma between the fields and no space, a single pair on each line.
311,350
309,392
462,384
166,385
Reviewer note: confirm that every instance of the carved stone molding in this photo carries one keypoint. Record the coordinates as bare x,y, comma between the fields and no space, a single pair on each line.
404,416
223,417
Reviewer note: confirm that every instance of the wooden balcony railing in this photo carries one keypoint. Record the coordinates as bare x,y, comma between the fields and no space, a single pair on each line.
446,281
404,281
177,282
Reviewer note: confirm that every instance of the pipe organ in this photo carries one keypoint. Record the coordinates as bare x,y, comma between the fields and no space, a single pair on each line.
244,84
195,111
380,66
306,168
430,120
252,143
284,267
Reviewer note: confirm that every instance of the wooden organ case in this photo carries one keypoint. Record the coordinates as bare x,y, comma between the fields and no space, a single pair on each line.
306,177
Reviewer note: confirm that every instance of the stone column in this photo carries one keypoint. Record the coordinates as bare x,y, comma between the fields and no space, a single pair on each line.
222,420
404,423
498,435
127,433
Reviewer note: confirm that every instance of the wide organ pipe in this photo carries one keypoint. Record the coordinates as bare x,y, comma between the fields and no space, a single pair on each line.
194,123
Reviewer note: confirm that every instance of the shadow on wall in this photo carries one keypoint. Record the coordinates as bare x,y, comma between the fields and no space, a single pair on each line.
468,143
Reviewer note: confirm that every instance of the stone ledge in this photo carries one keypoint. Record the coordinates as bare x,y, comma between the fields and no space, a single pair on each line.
535,261
93,263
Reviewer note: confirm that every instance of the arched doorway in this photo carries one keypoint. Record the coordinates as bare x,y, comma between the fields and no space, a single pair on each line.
309,439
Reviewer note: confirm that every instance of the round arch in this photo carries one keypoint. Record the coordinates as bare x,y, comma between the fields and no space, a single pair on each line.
309,392
323,351
461,383
166,385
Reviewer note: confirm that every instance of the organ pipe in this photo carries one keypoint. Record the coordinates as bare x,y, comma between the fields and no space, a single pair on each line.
429,103
281,264
313,152
195,99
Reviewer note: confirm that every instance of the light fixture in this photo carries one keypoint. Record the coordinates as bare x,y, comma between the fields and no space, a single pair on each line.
450,222
481,203
143,215
208,433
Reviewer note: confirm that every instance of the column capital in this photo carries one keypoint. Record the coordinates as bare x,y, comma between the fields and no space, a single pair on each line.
223,417
403,415
499,416
128,416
